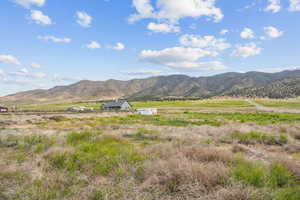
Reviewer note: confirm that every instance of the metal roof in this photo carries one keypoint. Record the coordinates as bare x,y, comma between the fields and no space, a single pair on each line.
117,103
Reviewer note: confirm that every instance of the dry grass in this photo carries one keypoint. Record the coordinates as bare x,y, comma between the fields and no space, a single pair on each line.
238,192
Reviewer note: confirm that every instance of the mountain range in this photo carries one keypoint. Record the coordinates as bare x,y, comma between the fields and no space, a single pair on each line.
283,84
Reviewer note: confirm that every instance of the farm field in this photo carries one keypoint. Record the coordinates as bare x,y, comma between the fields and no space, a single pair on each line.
219,149
290,103
238,104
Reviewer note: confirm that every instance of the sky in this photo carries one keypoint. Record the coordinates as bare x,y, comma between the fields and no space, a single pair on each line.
45,43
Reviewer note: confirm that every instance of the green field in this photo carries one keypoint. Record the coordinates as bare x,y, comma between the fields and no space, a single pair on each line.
163,105
291,104
56,107
197,104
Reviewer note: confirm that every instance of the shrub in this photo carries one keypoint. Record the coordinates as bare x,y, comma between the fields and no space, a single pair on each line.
258,137
28,142
292,193
253,174
279,176
100,156
171,174
75,138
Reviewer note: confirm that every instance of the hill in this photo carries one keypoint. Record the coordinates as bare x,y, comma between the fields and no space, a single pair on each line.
275,85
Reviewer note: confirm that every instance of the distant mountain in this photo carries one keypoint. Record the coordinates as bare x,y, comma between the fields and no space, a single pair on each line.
285,88
275,85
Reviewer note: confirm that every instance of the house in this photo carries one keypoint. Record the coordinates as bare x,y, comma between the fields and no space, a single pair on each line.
147,111
122,105
3,109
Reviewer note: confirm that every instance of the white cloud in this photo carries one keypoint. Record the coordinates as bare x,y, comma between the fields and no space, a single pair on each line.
294,5
38,75
29,3
246,50
93,45
2,72
35,65
39,18
174,10
247,33
209,42
274,6
181,58
84,19
26,74
24,71
55,39
163,28
272,32
143,72
224,31
119,46
9,59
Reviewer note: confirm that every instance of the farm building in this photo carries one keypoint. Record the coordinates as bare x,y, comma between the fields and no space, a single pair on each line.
3,109
117,105
147,111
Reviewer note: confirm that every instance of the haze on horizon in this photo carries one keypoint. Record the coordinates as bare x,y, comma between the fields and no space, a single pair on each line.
47,43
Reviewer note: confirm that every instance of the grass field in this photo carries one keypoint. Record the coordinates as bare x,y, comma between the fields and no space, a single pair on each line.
202,150
56,107
199,104
291,104
163,105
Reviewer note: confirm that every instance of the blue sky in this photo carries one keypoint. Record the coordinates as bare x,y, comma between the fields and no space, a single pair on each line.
45,43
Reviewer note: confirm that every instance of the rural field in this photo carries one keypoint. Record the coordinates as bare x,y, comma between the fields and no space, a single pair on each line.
215,149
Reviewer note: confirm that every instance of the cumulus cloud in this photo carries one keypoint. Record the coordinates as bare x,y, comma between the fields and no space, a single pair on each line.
40,18
272,32
29,3
163,28
181,58
55,39
208,42
274,6
224,31
294,5
93,45
9,59
174,10
246,50
35,65
119,46
247,33
84,19
26,74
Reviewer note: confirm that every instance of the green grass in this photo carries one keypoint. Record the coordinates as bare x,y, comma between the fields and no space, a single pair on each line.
75,138
100,156
274,178
188,104
259,118
146,136
197,104
258,137
291,104
56,107
38,143
159,120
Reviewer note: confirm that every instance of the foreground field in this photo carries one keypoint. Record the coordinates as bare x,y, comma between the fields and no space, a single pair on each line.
182,154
